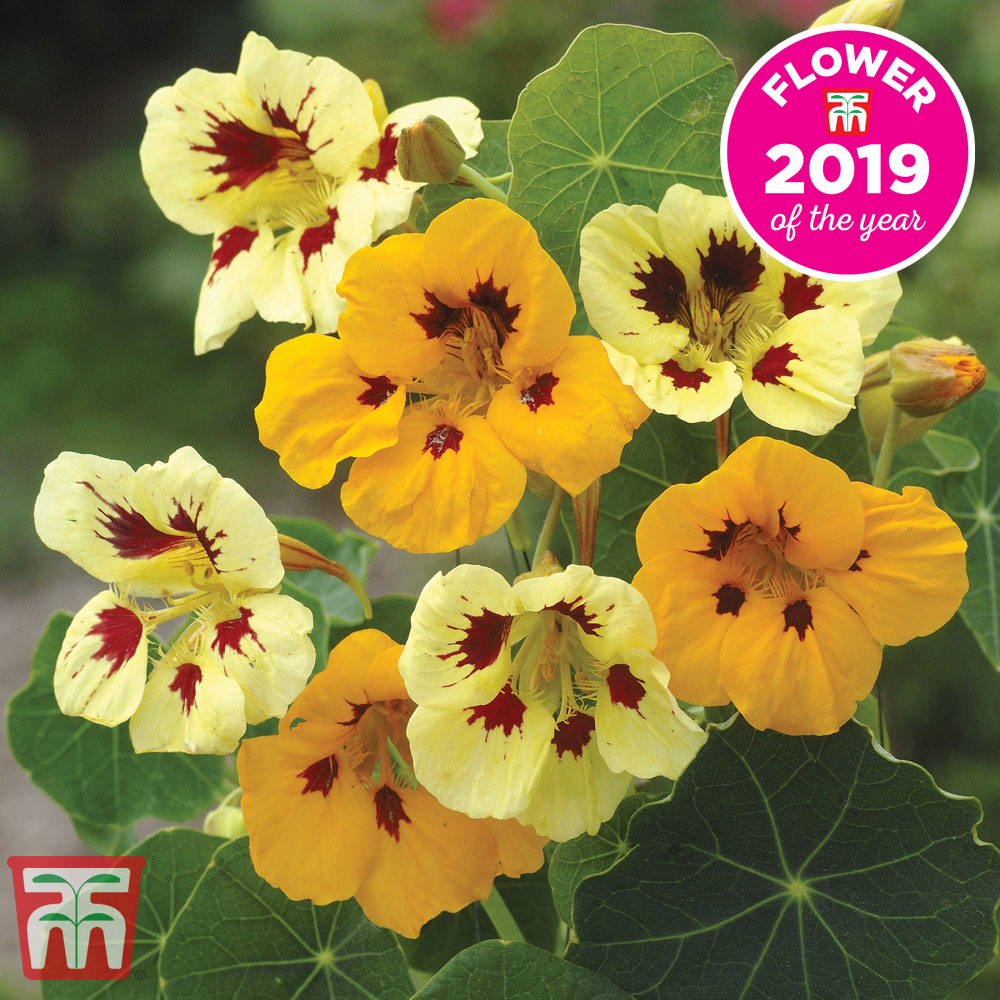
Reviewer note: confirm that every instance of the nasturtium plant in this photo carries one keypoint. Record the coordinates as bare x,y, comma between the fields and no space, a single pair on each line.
645,752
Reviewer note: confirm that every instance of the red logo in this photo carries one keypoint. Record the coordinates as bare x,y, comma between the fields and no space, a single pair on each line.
847,111
76,916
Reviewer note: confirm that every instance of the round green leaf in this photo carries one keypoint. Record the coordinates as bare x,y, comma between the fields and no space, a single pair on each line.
240,937
623,115
792,867
91,770
503,970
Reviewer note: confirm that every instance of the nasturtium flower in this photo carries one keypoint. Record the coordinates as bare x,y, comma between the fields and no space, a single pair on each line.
290,164
333,809
539,700
470,322
693,312
180,532
775,579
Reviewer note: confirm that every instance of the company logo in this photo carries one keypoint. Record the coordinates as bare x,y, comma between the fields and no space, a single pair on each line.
76,916
847,111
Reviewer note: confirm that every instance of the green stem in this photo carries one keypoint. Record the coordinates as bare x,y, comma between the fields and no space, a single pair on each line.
884,465
480,183
517,533
502,919
548,525
500,178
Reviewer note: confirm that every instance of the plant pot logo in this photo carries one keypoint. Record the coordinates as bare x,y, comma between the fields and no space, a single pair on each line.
847,111
76,916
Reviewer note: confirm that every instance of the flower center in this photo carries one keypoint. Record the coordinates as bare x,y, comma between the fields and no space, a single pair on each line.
759,559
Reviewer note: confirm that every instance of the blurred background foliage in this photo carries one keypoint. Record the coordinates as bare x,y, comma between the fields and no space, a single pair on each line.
98,290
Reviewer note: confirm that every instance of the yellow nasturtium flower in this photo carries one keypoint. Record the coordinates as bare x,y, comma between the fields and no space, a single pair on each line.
471,320
775,580
290,164
693,312
540,700
333,810
180,532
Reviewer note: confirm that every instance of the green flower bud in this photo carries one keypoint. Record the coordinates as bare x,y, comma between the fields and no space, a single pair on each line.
225,821
929,377
880,13
428,152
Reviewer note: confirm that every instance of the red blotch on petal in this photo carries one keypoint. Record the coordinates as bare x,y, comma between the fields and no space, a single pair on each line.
386,158
663,290
120,631
719,542
729,599
379,391
185,683
573,733
624,687
798,295
729,267
320,775
494,301
792,529
132,536
684,379
505,710
315,238
389,812
182,520
229,635
774,364
438,317
441,439
799,616
485,636
856,566
232,243
539,393
577,611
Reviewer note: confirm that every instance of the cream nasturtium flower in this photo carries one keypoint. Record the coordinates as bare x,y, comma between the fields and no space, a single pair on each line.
180,532
693,312
538,701
290,164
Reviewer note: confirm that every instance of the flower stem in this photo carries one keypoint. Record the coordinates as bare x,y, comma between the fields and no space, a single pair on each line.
475,179
548,525
500,178
502,919
722,437
883,467
517,535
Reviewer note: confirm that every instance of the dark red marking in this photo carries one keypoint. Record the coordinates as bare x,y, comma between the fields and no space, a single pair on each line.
130,533
577,610
357,713
320,775
792,529
185,683
729,599
485,635
798,296
229,635
279,117
438,318
799,616
120,631
386,158
573,733
389,812
506,710
624,687
856,567
683,379
379,391
232,243
183,521
663,291
315,238
494,301
443,437
774,364
719,542
539,393
729,267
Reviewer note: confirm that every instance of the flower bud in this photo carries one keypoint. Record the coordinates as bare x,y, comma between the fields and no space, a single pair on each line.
429,153
929,376
225,821
880,13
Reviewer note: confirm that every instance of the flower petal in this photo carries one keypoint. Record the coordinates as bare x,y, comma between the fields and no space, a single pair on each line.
909,577
446,483
319,407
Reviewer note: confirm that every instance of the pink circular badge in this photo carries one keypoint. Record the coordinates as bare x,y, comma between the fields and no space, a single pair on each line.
847,152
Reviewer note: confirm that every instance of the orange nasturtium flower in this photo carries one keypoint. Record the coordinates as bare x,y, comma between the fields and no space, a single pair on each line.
180,532
291,164
333,810
471,319
775,579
